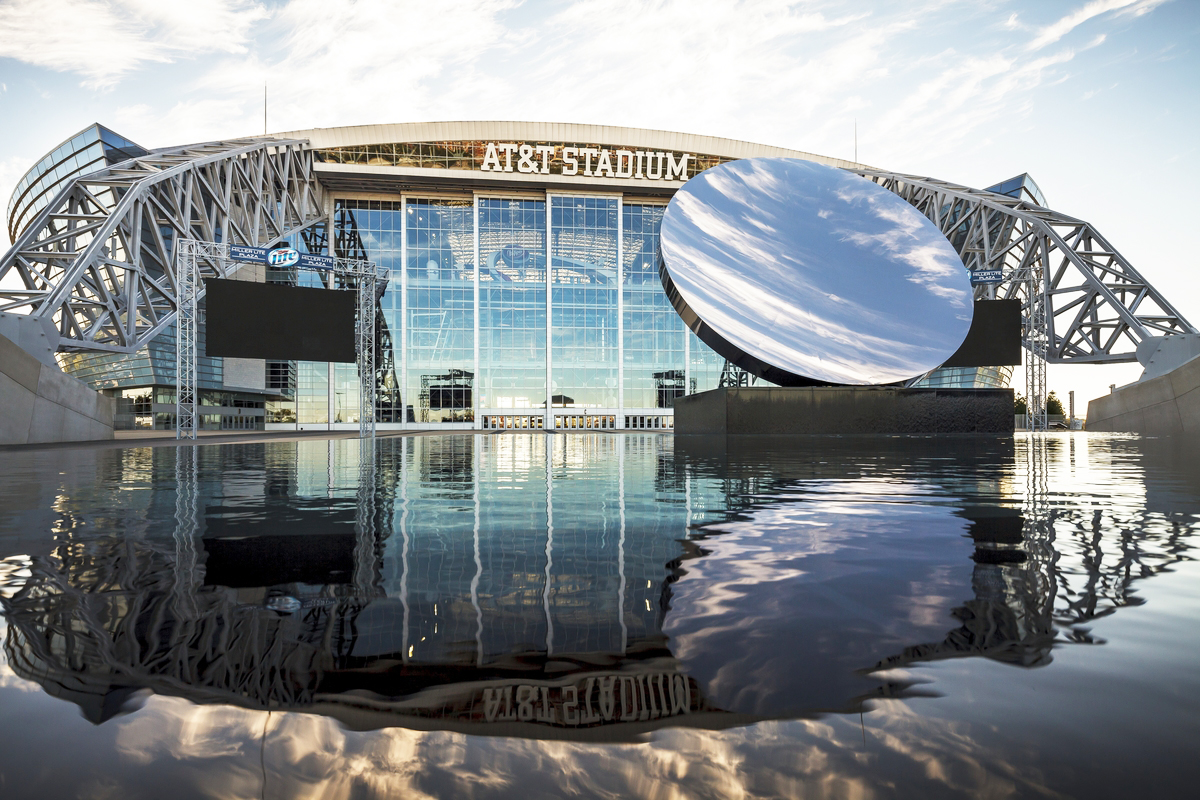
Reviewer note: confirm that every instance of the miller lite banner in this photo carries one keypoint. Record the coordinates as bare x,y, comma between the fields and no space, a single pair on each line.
280,257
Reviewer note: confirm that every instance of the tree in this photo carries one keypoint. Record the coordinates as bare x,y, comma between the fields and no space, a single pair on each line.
1054,405
1019,406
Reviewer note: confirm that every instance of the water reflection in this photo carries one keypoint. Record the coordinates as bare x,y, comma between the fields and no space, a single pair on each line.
584,587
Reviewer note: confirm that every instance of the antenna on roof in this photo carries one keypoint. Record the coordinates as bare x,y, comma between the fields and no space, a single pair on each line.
855,139
265,111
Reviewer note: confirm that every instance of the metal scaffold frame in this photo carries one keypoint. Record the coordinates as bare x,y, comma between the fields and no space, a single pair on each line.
197,259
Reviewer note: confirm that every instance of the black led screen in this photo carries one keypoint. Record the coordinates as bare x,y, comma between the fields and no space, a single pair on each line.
285,323
321,558
995,336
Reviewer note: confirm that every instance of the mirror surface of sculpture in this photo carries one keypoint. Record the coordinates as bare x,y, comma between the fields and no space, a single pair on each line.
806,274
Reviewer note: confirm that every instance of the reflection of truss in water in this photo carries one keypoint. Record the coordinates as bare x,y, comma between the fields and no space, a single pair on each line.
108,616
1026,598
543,633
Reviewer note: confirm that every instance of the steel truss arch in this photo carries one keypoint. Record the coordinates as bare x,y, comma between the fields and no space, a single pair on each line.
99,263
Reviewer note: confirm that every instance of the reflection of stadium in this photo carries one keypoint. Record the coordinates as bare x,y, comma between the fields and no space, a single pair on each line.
523,260
477,585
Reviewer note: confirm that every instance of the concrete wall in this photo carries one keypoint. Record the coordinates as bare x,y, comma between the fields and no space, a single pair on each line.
39,403
1158,406
844,409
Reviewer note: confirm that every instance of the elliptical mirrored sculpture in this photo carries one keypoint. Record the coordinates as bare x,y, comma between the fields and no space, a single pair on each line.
805,274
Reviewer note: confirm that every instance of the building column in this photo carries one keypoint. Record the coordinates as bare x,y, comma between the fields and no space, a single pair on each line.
687,359
477,382
621,317
550,441
548,420
402,378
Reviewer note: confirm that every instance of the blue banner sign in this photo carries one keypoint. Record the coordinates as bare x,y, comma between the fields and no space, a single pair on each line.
317,262
280,257
239,252
986,276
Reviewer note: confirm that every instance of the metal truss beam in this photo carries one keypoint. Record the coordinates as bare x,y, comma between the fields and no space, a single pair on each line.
99,260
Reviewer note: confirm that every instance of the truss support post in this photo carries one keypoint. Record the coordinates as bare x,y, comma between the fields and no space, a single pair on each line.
1036,345
367,382
188,270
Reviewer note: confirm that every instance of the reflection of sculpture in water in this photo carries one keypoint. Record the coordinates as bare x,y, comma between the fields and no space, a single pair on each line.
409,585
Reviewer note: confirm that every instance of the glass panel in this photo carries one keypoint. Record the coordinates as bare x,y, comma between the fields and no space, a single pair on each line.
654,364
705,366
584,301
371,230
441,316
512,296
312,392
345,392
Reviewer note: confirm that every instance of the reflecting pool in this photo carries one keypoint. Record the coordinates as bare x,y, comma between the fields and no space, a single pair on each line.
603,615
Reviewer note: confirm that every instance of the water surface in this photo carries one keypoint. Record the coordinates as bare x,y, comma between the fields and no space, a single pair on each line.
602,615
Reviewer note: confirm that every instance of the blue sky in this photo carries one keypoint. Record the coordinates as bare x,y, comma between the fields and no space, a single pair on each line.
1096,99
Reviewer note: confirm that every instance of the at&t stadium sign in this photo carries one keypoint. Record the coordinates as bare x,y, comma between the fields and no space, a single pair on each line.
591,162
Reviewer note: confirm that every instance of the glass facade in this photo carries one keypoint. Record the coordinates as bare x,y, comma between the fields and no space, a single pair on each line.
583,301
439,276
512,304
92,149
1022,187
653,339
498,306
967,378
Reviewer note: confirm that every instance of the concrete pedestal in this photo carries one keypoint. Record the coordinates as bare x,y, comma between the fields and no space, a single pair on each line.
844,409
38,403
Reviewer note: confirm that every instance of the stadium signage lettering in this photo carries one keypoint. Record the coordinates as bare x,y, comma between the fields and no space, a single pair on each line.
597,700
984,276
591,162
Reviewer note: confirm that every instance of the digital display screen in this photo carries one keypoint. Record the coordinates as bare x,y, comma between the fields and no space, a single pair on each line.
284,323
994,339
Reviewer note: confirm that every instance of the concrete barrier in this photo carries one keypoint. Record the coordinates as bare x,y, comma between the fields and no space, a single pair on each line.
844,409
39,403
1161,406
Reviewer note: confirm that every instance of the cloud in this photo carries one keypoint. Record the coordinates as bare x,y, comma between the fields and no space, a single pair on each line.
1057,30
104,41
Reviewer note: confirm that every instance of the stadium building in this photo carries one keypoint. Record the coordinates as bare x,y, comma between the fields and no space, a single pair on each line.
522,258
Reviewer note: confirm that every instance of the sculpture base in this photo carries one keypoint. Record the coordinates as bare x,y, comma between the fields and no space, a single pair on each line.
844,410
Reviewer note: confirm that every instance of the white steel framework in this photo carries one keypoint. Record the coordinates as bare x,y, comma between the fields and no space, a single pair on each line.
98,261
97,266
1082,301
197,260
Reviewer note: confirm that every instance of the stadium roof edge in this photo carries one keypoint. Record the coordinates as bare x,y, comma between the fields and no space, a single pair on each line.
501,130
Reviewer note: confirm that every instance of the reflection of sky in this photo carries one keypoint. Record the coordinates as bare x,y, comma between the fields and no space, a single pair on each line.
817,271
876,565
1086,725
